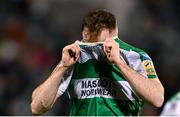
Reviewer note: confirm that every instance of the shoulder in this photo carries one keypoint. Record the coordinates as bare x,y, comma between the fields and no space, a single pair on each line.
139,56
125,46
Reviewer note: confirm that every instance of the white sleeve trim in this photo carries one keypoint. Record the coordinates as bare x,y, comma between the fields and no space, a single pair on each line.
65,82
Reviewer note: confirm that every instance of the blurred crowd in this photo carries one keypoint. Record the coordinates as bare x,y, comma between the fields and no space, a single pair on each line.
33,33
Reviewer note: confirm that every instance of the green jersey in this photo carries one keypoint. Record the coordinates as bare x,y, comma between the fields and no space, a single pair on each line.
97,88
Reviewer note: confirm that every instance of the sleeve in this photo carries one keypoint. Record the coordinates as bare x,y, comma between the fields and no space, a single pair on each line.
65,82
148,66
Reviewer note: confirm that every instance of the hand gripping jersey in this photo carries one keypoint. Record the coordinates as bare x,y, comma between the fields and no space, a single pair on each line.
98,88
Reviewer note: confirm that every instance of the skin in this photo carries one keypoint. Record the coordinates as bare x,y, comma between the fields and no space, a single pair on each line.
150,90
44,96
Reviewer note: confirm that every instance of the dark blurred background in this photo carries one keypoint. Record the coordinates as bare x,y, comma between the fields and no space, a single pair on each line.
33,33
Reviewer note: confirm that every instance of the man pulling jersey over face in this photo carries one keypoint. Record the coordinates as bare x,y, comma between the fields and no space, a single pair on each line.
102,74
95,80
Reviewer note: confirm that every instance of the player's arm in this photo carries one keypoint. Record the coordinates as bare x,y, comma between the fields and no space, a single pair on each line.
45,95
150,90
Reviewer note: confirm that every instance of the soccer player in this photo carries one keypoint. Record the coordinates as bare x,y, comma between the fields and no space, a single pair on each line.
102,74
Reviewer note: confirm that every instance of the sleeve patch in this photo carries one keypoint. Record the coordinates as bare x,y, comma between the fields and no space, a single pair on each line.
149,68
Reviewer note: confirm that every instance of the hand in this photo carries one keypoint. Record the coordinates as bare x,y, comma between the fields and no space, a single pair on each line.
70,55
111,49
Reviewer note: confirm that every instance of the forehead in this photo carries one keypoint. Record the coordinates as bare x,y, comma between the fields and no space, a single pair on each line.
85,29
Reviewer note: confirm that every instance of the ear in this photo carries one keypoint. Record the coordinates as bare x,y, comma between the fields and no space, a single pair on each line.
114,32
85,34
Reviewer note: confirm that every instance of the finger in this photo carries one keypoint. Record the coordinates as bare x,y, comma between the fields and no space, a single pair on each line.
77,56
104,48
77,49
71,52
108,55
108,46
67,47
111,43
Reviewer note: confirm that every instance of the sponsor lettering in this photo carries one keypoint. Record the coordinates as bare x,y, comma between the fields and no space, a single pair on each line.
101,87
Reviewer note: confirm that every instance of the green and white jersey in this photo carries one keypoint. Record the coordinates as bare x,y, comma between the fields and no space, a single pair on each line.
172,106
98,88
